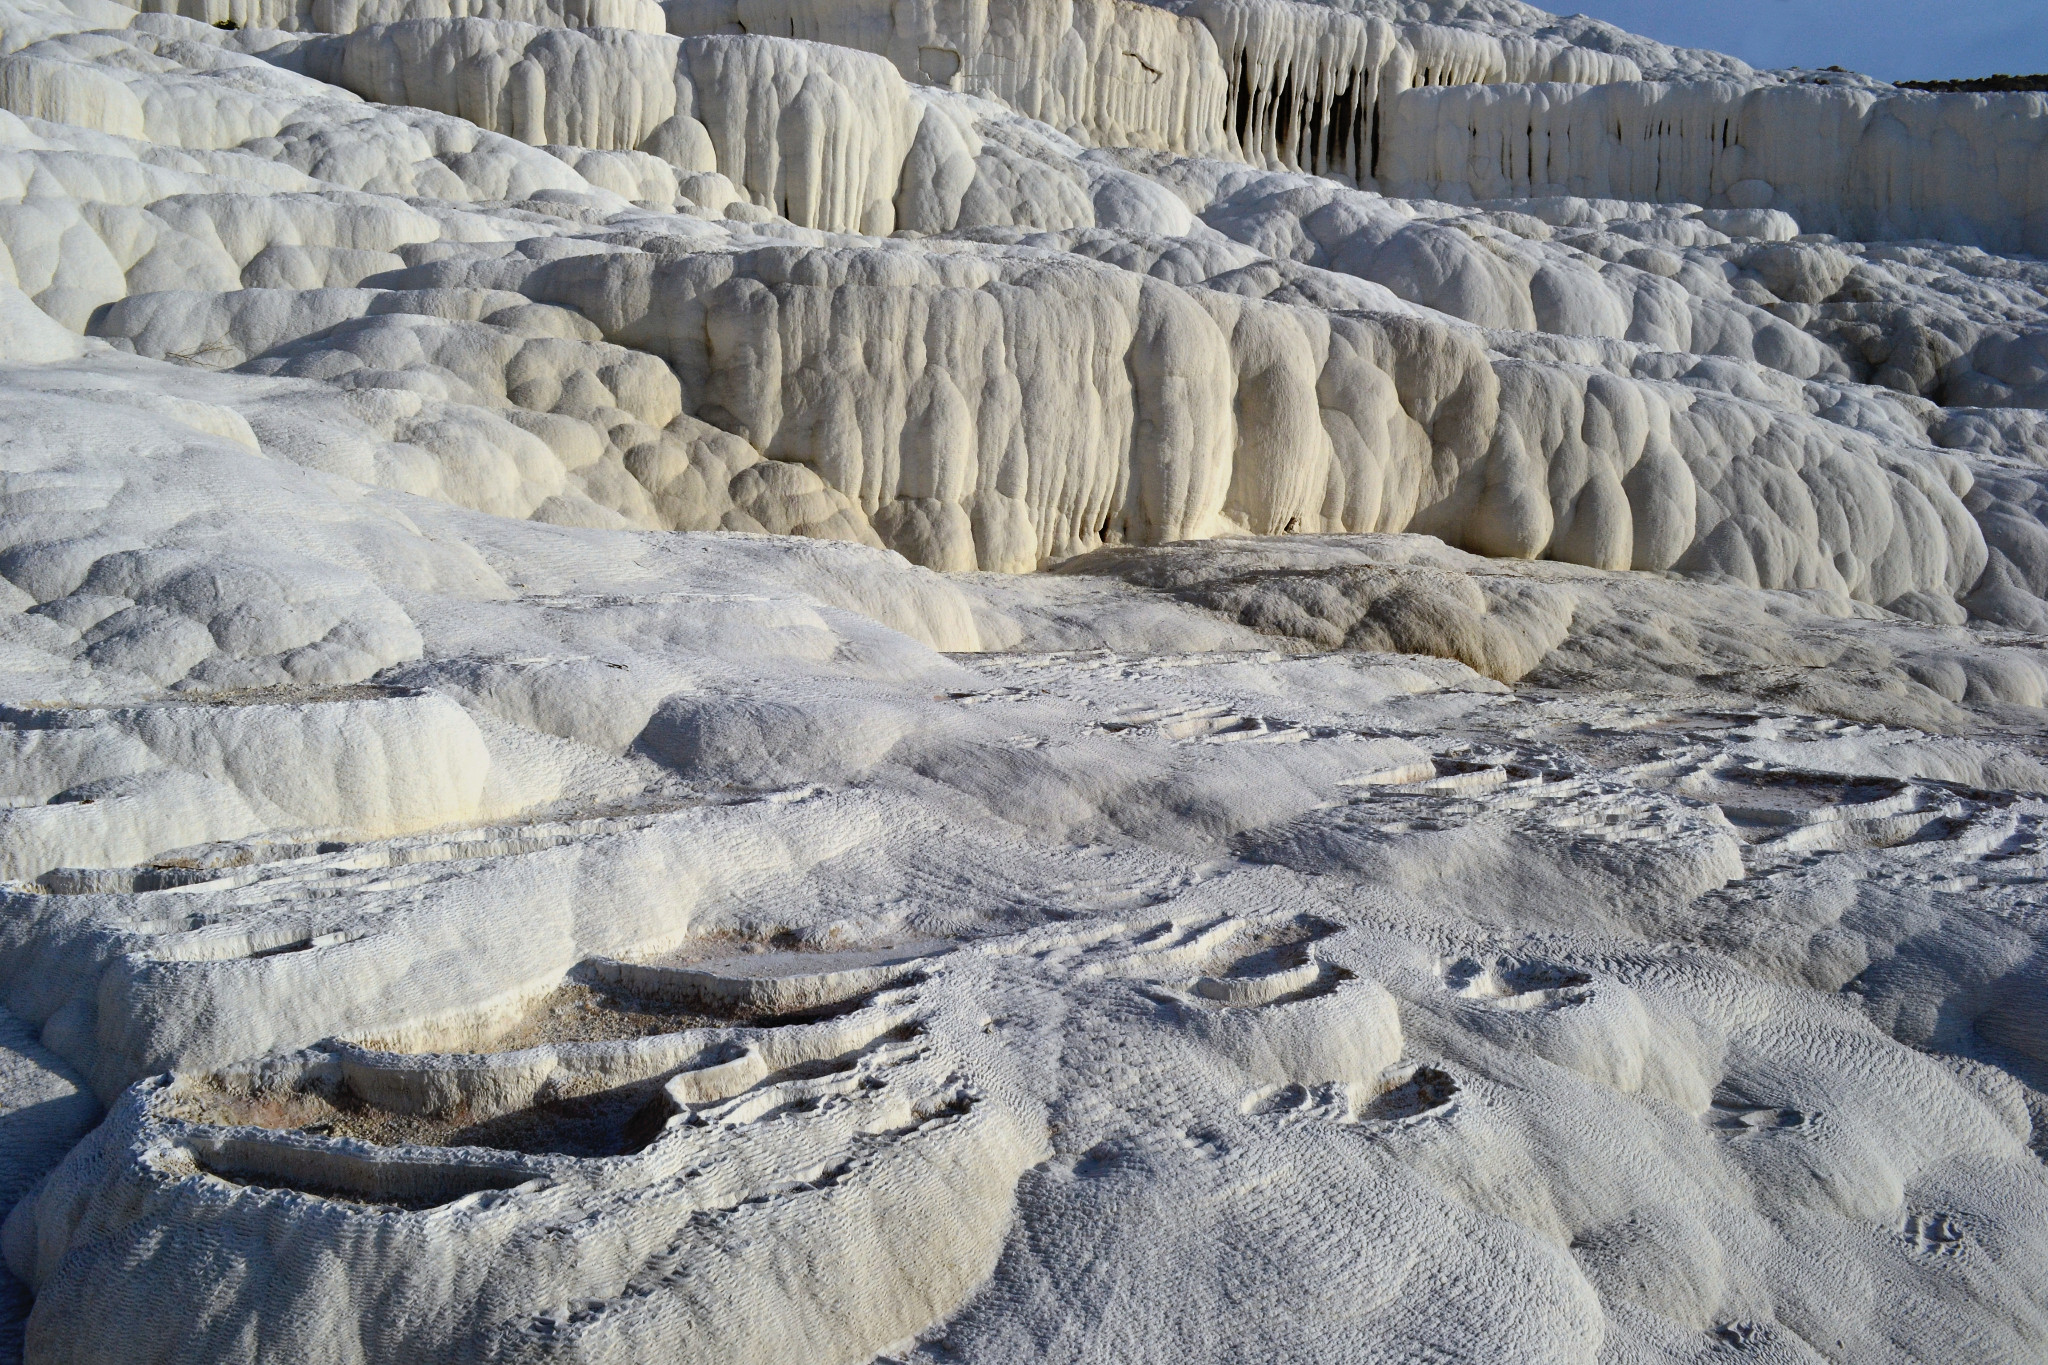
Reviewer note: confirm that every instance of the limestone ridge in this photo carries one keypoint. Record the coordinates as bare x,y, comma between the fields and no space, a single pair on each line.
928,416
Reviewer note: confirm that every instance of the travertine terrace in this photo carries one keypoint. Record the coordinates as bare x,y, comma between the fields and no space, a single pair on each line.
774,683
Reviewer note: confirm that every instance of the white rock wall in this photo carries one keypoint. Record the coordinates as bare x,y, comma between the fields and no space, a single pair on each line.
987,436
1106,72
346,16
1965,168
818,134
1309,84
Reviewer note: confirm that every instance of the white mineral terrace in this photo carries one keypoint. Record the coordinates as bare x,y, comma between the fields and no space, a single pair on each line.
964,682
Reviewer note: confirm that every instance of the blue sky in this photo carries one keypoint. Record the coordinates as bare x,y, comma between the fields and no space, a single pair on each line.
1890,39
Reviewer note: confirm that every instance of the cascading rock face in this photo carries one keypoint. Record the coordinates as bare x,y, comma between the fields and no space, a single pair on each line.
346,16
750,681
1108,72
1894,165
999,430
817,133
1311,86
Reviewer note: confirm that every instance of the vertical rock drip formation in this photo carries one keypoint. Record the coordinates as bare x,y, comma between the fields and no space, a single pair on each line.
818,134
346,16
815,133
1461,112
1107,72
985,411
1308,83
1864,164
984,414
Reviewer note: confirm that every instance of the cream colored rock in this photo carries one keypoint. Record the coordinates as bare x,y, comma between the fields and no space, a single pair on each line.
346,16
816,133
1109,72
1854,162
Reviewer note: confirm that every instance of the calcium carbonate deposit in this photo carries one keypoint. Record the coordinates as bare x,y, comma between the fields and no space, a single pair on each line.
890,682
